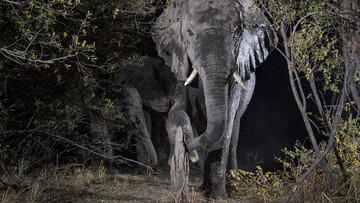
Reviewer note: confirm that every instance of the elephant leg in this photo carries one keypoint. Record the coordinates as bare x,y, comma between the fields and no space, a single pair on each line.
145,148
214,175
244,102
144,145
233,144
141,151
216,157
141,154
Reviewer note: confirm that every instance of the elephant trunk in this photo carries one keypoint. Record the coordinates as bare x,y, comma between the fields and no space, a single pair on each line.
216,100
213,63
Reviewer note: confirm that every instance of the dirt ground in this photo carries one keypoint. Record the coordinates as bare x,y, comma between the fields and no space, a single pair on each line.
87,186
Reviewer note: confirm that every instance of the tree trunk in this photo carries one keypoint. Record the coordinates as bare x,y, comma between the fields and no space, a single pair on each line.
179,164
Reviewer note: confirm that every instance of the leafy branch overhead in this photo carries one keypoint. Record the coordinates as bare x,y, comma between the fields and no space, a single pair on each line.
48,48
44,34
70,32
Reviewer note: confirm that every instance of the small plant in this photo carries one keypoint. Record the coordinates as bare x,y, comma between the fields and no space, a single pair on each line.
37,188
267,186
100,174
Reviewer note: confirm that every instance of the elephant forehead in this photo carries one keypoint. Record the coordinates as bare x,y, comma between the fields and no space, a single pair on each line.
208,14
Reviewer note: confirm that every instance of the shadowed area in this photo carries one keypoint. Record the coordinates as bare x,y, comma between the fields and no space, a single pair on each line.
272,120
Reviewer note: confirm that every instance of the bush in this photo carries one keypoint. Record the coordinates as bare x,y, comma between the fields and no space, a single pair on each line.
51,47
272,186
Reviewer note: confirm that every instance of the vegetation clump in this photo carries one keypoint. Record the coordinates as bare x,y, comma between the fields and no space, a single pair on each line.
50,48
320,42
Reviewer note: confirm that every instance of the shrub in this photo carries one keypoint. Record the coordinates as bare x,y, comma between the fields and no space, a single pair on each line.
272,186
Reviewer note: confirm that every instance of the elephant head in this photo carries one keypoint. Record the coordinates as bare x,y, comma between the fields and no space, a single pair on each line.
145,78
221,41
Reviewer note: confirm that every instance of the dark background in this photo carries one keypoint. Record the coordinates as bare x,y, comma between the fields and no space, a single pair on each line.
272,121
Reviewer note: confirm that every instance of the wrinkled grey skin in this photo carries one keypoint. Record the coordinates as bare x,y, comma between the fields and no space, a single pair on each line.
216,38
131,105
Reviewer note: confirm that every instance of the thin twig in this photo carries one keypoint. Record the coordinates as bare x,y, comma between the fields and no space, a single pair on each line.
301,104
101,155
329,147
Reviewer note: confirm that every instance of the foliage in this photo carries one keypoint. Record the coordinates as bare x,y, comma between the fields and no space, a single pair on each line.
272,186
319,43
348,142
48,48
314,38
267,186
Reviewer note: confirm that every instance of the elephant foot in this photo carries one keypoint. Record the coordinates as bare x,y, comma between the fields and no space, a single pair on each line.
214,182
218,195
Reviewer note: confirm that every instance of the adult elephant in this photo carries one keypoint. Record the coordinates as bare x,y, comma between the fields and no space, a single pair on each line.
222,42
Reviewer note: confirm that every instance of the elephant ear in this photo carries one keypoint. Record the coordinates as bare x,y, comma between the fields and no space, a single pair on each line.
150,90
129,75
169,42
257,39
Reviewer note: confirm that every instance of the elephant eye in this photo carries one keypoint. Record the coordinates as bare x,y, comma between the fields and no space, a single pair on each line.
237,32
190,32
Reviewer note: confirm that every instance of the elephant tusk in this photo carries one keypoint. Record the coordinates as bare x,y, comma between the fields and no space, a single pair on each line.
239,80
193,156
191,77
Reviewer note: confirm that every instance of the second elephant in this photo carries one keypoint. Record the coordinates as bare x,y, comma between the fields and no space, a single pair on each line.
148,85
132,88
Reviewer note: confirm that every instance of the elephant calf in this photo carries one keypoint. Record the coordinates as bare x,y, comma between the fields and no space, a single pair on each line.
137,86
148,85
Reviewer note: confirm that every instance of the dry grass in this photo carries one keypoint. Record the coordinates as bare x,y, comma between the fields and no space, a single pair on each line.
76,184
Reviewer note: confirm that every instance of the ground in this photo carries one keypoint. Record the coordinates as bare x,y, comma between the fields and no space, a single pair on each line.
75,184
